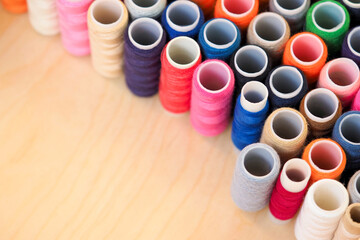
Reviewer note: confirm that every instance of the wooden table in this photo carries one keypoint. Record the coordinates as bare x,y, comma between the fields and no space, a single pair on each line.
82,158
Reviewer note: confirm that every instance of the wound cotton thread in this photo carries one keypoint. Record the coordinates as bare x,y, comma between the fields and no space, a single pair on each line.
219,38
353,6
240,12
307,52
73,26
324,205
354,188
330,20
107,21
351,45
287,85
249,63
256,170
15,6
144,41
285,130
145,8
43,16
294,12
347,133
356,103
250,113
179,59
342,77
182,18
212,92
290,189
326,158
271,32
349,226
207,7
321,108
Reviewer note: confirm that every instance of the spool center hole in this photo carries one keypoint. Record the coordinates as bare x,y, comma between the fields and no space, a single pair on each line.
307,48
290,5
254,97
286,80
183,14
295,175
258,162
343,74
328,15
321,105
238,6
287,125
328,198
145,3
355,214
355,41
326,155
107,12
270,28
183,52
350,128
145,33
220,32
214,76
251,60
357,185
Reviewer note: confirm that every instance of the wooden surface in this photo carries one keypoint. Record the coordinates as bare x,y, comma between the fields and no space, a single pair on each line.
82,158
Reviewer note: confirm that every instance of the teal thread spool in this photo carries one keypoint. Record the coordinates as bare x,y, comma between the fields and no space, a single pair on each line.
329,20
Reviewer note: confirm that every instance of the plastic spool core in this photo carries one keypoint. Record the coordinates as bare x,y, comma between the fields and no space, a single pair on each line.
220,33
183,52
295,176
286,82
183,16
287,125
354,41
329,196
254,96
213,77
355,214
258,162
307,49
357,184
290,5
145,33
343,72
325,156
352,3
270,27
350,129
237,8
251,61
321,105
328,17
107,13
145,3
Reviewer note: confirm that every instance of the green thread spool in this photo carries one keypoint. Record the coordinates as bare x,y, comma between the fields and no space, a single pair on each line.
329,20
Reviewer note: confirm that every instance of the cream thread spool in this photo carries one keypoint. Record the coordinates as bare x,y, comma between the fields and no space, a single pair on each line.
145,8
349,226
43,16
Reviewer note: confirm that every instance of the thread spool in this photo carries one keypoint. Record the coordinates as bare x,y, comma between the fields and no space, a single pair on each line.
349,226
287,85
353,6
144,41
330,20
249,63
212,91
271,32
354,188
321,108
293,11
290,190
285,130
15,6
326,159
43,16
256,170
250,114
219,38
145,8
324,205
351,45
240,12
347,133
180,58
182,18
207,7
307,52
107,21
342,77
73,26
356,103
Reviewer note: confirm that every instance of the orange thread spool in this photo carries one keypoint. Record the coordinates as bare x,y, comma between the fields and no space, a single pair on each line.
308,52
15,6
207,6
240,12
326,158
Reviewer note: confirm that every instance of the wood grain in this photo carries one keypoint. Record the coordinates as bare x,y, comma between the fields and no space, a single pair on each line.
82,158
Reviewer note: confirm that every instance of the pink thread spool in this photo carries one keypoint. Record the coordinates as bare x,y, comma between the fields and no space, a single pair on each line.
212,91
342,77
356,102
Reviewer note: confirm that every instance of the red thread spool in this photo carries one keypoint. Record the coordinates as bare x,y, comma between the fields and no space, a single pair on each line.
179,60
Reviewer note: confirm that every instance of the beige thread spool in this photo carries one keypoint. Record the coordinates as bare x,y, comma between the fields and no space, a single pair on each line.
43,16
349,226
285,130
107,21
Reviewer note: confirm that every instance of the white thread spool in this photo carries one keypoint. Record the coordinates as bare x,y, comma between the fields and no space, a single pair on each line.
254,96
43,16
354,188
145,8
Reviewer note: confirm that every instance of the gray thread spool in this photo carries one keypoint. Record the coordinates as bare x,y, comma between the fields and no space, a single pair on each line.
354,188
256,171
145,8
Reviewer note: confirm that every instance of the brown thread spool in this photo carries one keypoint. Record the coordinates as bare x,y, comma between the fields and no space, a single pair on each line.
285,130
321,108
107,20
271,32
349,226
